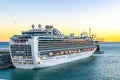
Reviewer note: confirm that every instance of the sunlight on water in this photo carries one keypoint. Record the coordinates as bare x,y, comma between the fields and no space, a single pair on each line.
97,67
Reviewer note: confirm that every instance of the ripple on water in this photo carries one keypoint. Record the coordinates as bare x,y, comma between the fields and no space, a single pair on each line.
97,67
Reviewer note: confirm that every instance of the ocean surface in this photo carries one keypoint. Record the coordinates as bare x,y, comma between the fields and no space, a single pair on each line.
97,67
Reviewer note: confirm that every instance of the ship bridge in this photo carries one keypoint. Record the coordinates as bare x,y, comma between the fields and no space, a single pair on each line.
47,31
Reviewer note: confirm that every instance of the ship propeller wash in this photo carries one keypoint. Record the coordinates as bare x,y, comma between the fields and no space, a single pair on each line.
44,47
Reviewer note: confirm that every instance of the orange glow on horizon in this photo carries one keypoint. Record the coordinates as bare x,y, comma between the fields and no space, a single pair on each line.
5,34
68,16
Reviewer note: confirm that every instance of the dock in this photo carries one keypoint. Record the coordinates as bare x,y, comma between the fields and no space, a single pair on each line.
98,51
5,60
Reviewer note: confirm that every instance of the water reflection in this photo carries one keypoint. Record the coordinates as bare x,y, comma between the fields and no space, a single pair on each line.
98,67
63,71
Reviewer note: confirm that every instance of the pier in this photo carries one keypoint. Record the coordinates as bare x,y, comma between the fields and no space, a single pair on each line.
5,60
98,51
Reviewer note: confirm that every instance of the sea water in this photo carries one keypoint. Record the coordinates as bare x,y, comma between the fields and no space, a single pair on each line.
97,67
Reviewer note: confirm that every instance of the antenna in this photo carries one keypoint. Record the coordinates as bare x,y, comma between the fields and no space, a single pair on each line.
89,32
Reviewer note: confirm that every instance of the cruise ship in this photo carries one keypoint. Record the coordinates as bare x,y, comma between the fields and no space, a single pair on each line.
44,47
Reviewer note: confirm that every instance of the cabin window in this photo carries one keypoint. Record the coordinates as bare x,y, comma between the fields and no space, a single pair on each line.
49,32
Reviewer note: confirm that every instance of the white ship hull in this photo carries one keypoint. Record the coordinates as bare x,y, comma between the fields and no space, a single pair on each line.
56,60
38,48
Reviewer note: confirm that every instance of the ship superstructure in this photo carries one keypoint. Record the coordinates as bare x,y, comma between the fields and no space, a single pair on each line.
44,47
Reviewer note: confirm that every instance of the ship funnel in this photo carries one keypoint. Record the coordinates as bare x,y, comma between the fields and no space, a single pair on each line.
49,27
33,26
39,26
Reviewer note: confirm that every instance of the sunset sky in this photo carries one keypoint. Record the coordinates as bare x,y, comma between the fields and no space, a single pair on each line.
69,16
